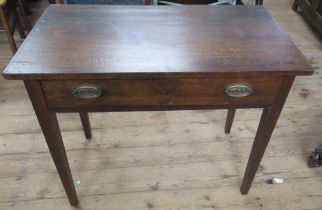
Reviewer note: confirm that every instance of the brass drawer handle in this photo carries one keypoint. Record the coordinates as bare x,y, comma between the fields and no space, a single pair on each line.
238,90
87,91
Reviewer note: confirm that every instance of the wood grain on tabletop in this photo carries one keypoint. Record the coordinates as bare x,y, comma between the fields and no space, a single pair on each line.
131,41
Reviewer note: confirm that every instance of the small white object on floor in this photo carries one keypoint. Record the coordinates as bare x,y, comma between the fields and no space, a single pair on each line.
275,181
78,182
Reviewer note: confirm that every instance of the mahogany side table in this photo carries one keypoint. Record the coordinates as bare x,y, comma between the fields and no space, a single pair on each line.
141,58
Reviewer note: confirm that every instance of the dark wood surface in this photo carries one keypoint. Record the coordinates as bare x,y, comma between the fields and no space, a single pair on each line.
23,9
264,132
7,30
142,63
10,20
229,120
312,11
86,124
50,128
161,92
96,42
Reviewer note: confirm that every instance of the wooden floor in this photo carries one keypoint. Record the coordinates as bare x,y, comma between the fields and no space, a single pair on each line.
167,160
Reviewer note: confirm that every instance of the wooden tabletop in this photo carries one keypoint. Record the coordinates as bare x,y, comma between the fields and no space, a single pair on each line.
93,42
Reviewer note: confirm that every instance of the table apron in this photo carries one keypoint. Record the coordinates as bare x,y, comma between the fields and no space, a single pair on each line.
159,94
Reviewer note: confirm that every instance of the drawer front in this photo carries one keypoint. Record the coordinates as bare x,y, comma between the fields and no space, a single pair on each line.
161,92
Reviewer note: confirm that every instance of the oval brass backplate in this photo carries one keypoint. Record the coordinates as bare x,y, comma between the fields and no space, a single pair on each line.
238,90
87,91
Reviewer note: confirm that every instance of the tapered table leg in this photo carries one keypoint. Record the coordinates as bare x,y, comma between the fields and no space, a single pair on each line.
229,119
22,8
50,128
9,33
86,124
294,6
18,23
265,129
